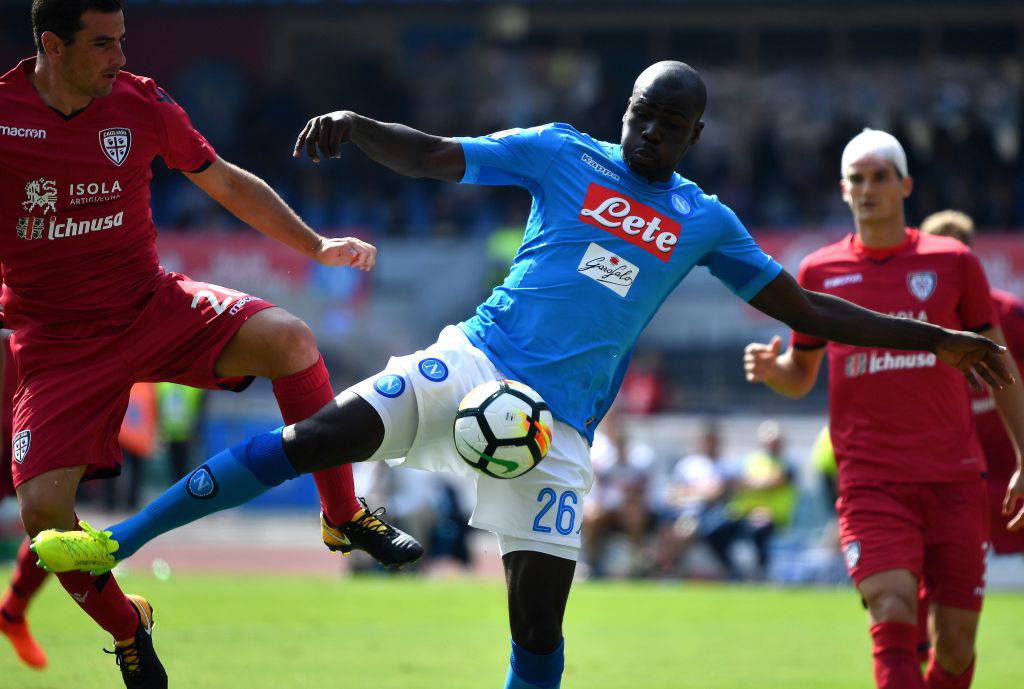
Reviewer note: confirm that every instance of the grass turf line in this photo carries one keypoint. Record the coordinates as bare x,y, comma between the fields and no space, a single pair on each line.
405,633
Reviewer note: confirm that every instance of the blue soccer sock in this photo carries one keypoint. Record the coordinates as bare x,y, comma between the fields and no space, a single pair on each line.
532,671
226,480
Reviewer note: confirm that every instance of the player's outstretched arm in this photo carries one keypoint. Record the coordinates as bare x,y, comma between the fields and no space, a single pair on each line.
405,150
831,318
252,201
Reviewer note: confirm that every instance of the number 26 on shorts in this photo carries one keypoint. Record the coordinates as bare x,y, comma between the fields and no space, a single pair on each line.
564,517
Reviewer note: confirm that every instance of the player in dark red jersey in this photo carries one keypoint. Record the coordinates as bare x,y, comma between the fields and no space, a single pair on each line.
913,501
1000,454
93,311
27,578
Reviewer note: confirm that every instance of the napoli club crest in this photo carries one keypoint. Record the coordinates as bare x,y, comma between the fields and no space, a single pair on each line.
201,484
922,283
116,144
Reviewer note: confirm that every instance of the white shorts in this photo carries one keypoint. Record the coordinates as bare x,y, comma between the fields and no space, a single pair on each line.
541,510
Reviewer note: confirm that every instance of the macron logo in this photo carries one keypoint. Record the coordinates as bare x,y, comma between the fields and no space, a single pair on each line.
22,132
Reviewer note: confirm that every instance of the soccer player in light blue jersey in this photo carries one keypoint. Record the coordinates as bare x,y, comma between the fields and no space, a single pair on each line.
612,231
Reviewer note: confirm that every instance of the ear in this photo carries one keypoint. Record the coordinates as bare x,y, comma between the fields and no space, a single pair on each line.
697,129
844,188
53,45
908,186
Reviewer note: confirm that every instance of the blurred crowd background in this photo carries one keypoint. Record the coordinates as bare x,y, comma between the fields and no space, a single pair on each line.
698,473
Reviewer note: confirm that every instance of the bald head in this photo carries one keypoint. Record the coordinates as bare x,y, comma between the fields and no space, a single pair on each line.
662,120
674,85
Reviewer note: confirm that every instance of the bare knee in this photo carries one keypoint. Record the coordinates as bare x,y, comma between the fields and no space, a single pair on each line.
955,632
40,512
47,501
892,606
292,346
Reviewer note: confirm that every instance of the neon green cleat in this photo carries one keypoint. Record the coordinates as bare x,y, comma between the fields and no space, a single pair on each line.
87,550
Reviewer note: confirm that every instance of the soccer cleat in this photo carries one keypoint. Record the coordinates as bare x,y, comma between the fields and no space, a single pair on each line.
87,550
389,546
140,667
27,648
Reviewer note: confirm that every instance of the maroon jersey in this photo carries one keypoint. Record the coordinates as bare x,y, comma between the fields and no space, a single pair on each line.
999,453
896,415
77,239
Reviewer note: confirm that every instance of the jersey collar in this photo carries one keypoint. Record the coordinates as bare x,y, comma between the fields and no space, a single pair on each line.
673,182
881,254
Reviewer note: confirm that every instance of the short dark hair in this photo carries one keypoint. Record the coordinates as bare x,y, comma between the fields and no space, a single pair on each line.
64,17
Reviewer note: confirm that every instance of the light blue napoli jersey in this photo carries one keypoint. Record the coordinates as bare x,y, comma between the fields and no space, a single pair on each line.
603,249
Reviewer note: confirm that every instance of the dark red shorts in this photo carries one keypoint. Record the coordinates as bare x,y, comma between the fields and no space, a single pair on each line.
1003,542
73,391
938,531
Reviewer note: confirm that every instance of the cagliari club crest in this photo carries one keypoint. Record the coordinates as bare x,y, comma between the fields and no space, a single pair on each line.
921,283
20,444
116,143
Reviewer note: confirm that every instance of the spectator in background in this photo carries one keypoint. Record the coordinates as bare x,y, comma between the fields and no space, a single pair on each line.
618,501
695,500
180,410
823,460
762,501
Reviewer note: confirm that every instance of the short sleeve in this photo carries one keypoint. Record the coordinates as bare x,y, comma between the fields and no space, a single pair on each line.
737,261
975,308
800,340
181,146
517,157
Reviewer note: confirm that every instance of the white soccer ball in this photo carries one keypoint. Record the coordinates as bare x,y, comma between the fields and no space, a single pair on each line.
503,428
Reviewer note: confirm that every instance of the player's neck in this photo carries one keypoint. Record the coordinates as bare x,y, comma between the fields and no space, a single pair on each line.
55,90
882,235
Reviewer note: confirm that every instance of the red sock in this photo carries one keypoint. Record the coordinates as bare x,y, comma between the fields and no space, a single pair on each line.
26,581
103,601
299,396
895,652
938,677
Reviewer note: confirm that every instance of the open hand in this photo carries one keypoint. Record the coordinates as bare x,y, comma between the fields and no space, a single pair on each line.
328,132
976,356
346,251
1015,499
760,360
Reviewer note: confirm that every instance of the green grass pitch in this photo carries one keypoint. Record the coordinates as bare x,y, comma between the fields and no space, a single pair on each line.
404,633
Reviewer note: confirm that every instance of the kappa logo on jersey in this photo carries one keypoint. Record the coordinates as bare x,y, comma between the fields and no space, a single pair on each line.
201,484
390,385
922,283
30,228
612,271
40,193
116,143
433,369
20,444
628,219
601,169
851,553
